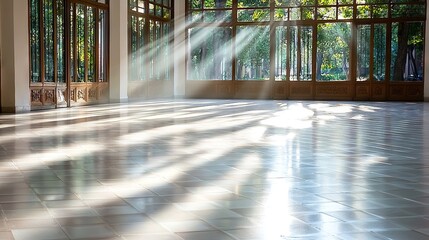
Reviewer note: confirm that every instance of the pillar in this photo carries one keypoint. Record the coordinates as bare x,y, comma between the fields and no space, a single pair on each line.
179,48
118,60
15,57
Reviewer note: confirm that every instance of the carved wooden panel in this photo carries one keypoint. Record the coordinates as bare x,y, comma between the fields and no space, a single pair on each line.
92,94
73,95
36,96
49,96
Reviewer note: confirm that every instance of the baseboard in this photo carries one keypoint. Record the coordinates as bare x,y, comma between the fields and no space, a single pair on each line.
18,109
426,99
122,100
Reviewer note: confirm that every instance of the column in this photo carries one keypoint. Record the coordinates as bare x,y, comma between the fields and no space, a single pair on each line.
179,48
118,51
15,57
426,67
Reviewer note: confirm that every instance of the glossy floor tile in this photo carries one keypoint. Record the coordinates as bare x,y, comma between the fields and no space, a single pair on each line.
217,169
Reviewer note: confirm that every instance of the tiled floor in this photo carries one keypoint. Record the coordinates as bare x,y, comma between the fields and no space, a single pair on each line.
217,170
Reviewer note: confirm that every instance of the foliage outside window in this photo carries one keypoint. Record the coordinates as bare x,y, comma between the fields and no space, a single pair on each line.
47,44
149,39
88,41
210,53
310,34
407,51
333,51
252,53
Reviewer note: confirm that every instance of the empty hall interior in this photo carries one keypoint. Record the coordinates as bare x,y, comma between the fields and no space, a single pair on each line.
214,120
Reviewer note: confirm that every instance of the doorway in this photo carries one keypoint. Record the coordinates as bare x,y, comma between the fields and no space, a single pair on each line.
68,52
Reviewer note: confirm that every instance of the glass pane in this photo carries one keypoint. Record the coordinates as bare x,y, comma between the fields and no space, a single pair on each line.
327,2
363,11
307,13
295,14
333,51
195,4
133,48
217,16
91,44
154,50
253,53
301,47
379,59
35,41
166,51
294,3
281,15
380,11
327,13
80,42
60,42
345,12
132,5
253,15
407,51
210,56
306,53
72,43
253,3
102,42
363,52
48,23
409,10
140,50
281,56
217,3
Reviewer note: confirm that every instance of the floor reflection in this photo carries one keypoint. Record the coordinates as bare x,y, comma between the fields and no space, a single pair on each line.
216,169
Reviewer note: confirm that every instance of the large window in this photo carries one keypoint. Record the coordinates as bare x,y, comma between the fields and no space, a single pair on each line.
294,53
333,51
210,53
306,40
149,39
47,45
253,53
407,51
68,46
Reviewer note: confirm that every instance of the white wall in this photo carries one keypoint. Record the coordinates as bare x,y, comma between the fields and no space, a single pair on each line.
118,71
15,59
179,48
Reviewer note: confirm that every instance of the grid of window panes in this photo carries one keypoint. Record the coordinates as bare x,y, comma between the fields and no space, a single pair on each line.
88,43
149,39
47,46
47,41
313,40
209,11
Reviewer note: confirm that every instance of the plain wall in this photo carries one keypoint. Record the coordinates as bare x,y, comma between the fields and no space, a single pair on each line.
15,57
118,62
179,48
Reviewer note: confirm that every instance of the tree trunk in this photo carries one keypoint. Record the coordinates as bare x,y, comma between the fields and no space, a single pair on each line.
399,66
